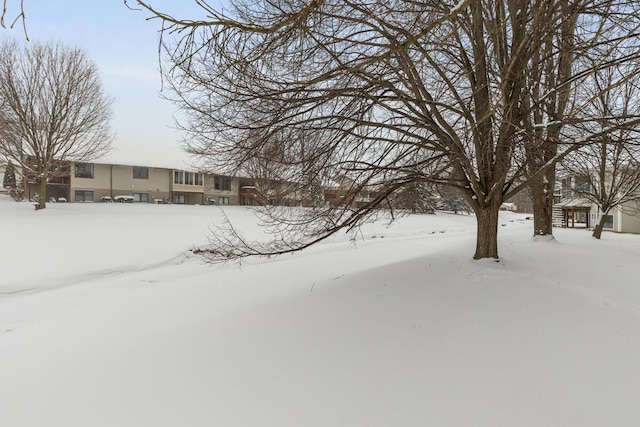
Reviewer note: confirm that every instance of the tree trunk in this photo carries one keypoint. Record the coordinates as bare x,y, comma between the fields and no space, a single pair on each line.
542,199
597,230
487,235
42,196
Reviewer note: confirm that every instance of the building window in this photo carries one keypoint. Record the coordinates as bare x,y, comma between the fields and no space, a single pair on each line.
222,183
141,197
140,172
178,177
188,178
84,170
582,184
60,180
179,199
84,196
223,200
608,222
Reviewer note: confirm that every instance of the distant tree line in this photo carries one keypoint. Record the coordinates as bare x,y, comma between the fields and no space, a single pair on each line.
483,96
486,97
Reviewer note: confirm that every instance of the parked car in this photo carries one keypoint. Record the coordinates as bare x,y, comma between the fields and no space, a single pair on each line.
123,199
106,199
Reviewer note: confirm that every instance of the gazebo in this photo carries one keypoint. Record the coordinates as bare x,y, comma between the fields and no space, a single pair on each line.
575,213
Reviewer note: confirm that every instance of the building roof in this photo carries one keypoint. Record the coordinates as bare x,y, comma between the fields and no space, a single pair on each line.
150,155
577,202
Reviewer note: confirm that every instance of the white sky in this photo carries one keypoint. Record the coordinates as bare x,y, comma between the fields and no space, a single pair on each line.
125,47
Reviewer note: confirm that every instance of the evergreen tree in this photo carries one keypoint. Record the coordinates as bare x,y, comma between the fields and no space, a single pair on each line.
9,180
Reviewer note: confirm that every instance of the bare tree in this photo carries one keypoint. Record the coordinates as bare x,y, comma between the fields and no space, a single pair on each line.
52,110
396,92
608,171
593,37
18,17
549,87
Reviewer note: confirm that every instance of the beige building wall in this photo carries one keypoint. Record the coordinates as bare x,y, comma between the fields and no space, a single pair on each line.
219,197
182,188
628,219
156,186
98,184
115,180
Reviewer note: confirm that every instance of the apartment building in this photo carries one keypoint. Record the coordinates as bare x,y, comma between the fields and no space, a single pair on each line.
137,173
577,212
91,182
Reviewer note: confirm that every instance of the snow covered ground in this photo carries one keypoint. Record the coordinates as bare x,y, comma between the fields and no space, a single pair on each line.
106,320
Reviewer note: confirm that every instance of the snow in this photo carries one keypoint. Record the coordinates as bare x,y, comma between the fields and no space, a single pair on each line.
106,319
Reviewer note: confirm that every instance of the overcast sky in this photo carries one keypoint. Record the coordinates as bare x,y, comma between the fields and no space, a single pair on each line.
125,47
